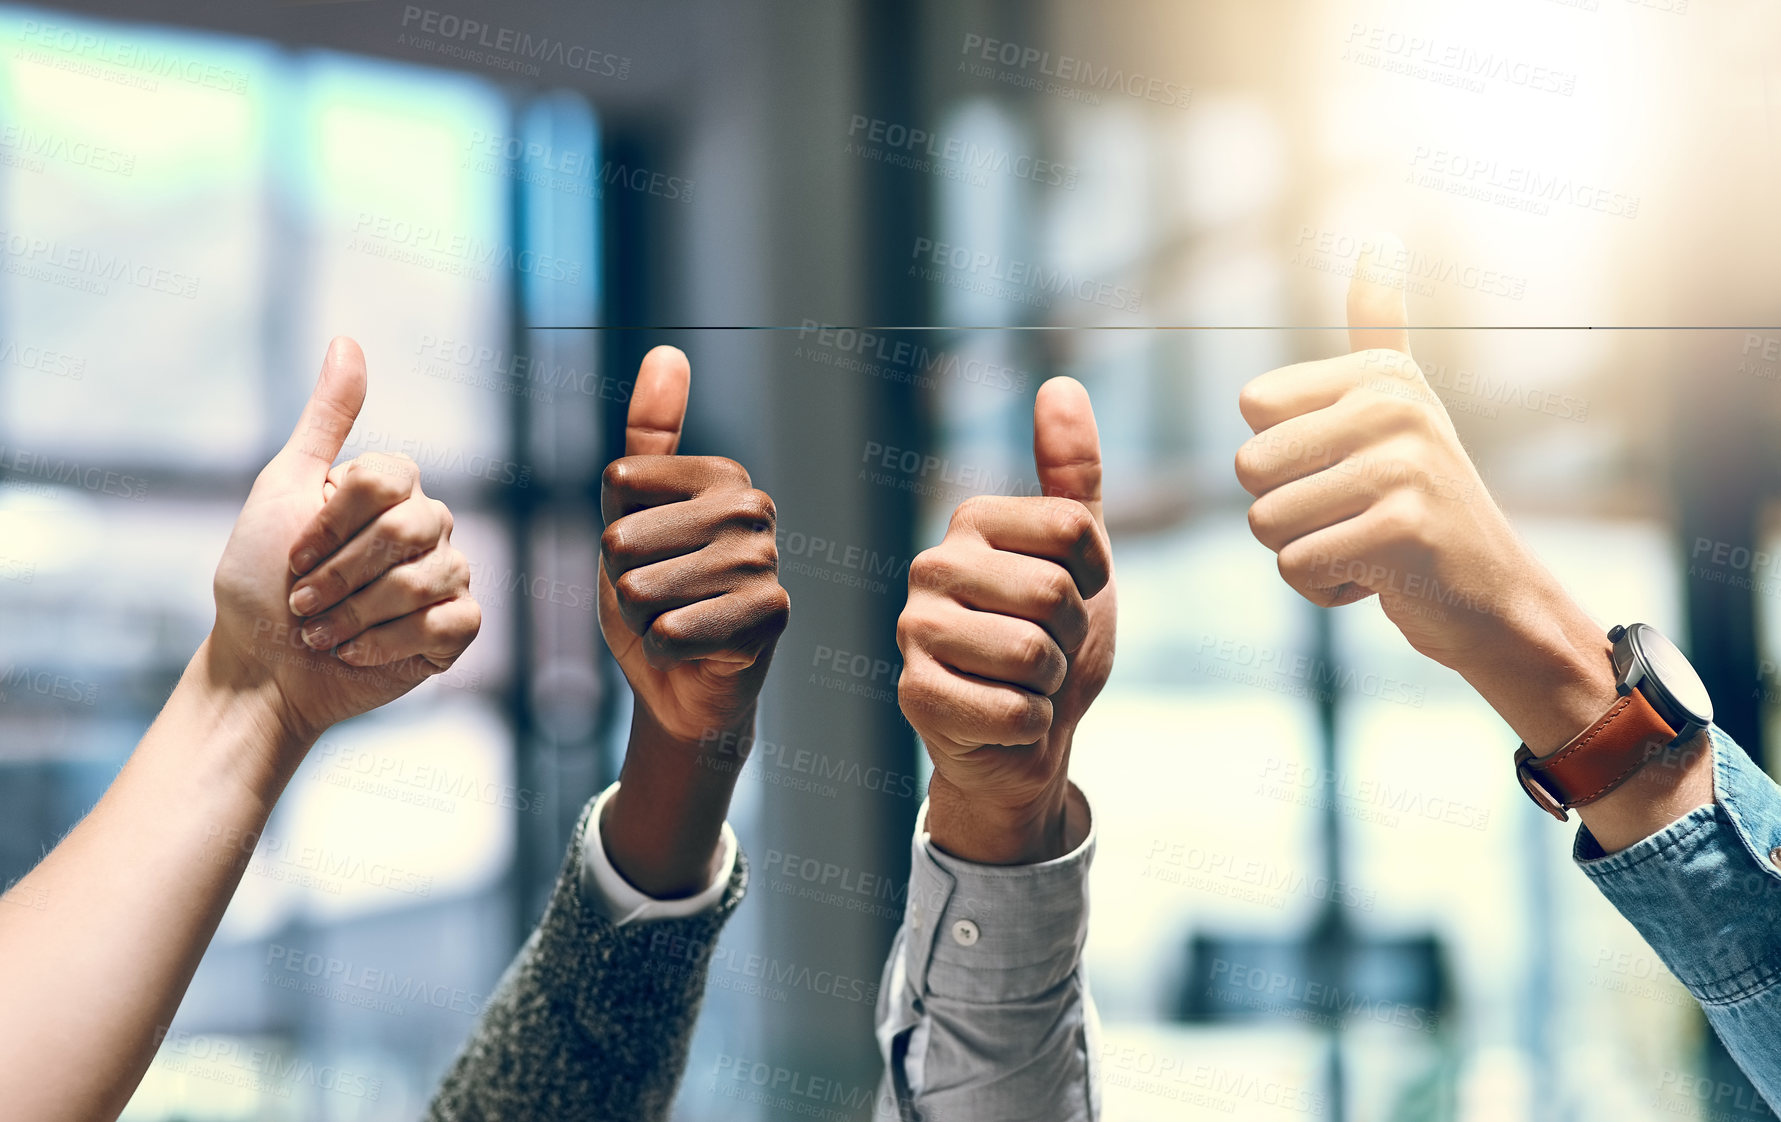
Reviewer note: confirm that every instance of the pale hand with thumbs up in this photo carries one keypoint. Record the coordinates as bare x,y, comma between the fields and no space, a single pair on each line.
339,590
691,606
1007,639
1362,488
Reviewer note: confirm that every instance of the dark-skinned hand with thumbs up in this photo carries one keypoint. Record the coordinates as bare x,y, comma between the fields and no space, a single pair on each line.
134,892
691,607
1007,639
1363,488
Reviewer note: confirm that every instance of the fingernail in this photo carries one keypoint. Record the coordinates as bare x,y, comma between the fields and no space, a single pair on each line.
304,562
351,653
316,635
304,601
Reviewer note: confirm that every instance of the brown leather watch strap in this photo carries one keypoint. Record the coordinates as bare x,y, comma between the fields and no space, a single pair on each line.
1601,758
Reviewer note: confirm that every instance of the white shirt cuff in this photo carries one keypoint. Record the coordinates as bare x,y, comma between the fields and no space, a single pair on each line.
606,891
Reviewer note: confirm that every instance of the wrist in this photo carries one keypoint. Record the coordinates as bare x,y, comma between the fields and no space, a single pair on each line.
987,831
1548,670
663,826
243,727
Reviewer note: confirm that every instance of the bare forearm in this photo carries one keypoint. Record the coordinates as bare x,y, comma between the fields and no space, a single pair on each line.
129,900
662,825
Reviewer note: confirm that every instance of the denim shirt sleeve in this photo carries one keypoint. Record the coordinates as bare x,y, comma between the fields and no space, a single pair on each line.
984,1014
1705,892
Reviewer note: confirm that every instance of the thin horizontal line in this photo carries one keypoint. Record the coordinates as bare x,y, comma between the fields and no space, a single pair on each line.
806,327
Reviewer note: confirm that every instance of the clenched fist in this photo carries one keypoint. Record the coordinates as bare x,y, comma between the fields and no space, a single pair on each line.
339,590
1007,639
691,607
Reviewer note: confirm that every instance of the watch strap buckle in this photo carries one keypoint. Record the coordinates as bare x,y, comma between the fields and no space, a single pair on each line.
1530,782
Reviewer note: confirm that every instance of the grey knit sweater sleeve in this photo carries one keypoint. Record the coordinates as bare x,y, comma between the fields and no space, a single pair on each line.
591,1021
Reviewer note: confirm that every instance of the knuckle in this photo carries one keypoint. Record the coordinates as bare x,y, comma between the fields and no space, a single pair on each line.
619,475
333,579
1055,593
1071,522
613,542
1264,521
930,569
671,633
1021,717
1039,658
731,471
1250,461
756,506
778,609
443,513
762,555
1252,400
415,530
632,587
967,512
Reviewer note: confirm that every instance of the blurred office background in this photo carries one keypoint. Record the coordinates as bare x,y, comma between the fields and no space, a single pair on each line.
1319,892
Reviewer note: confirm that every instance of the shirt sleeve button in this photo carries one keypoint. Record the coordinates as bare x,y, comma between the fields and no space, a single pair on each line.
965,933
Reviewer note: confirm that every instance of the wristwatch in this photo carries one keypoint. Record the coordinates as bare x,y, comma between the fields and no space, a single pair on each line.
1662,702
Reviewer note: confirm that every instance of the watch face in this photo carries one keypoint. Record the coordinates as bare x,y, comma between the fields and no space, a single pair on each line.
1673,674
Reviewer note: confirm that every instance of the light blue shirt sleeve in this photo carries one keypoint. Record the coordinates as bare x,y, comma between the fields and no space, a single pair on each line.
984,1014
1705,892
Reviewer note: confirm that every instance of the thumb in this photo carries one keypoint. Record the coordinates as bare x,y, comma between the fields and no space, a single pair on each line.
658,403
1066,444
333,407
1377,317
